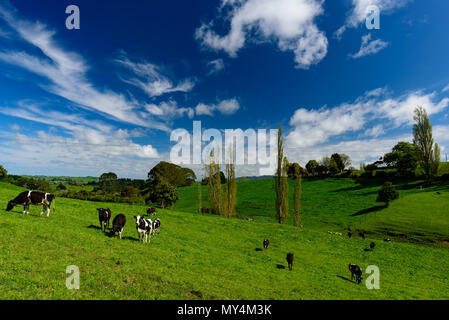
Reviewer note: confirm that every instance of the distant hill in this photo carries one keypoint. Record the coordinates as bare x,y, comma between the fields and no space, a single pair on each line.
253,178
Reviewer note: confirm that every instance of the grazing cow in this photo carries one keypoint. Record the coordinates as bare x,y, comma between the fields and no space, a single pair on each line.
144,227
266,243
355,270
33,197
387,240
372,245
290,257
118,224
156,226
151,211
349,234
104,215
362,235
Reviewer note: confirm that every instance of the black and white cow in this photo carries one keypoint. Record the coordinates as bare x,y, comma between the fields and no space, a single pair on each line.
144,228
104,215
156,226
118,224
355,271
266,243
33,197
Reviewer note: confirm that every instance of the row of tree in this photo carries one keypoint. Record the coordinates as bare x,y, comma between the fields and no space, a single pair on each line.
221,201
406,157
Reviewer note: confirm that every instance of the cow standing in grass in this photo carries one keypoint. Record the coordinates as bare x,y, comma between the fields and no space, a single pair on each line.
355,271
156,226
290,257
151,211
104,215
144,228
35,198
266,242
117,225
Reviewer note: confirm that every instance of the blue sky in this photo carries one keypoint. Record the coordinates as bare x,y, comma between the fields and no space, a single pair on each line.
106,97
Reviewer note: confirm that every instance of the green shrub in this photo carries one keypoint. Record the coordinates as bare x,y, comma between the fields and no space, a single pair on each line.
387,193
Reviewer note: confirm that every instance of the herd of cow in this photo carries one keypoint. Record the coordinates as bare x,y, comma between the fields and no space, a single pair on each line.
145,227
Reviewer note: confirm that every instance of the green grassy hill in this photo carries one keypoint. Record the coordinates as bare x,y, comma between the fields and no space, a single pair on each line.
336,204
210,257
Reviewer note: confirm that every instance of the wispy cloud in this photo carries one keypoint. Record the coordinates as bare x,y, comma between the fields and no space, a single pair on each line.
289,23
215,66
225,107
369,47
65,73
151,80
357,15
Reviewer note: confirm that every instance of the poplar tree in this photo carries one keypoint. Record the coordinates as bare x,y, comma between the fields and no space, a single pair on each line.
231,186
428,153
297,191
281,183
214,183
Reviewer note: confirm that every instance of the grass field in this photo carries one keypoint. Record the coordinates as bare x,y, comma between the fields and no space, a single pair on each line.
210,257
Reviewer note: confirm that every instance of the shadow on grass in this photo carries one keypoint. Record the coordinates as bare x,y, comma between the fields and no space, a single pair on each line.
347,279
258,249
369,210
280,266
93,227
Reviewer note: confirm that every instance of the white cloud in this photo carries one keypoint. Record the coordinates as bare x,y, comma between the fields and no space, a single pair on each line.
66,75
446,88
169,110
375,131
225,107
369,47
357,15
290,23
312,127
151,80
215,66
81,143
365,150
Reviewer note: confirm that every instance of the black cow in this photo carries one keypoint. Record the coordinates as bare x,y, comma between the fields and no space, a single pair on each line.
156,226
290,257
266,243
104,215
144,227
150,211
349,234
118,224
33,197
355,270
362,235
372,245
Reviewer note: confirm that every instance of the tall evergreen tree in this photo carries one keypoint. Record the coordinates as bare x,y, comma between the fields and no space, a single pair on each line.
214,183
281,184
297,192
200,197
284,192
428,154
231,186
